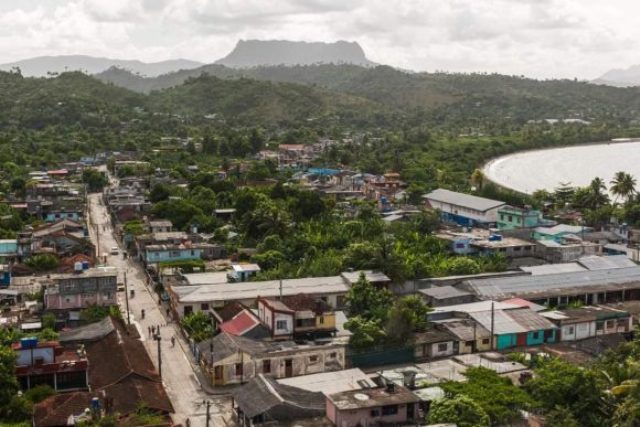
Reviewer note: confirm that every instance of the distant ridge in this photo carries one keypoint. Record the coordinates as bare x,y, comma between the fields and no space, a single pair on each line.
42,65
255,53
621,77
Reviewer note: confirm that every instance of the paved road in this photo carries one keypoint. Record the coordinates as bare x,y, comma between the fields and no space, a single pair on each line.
178,376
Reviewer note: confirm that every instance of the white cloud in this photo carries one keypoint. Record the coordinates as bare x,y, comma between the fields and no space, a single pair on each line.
540,38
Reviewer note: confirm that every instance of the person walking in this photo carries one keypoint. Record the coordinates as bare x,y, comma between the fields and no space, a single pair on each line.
153,330
173,341
149,328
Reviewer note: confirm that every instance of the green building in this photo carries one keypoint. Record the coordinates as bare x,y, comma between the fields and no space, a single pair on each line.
511,217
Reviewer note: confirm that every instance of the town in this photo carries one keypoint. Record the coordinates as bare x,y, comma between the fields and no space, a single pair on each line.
121,300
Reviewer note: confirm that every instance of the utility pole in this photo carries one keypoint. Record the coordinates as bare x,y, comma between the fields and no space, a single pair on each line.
208,403
126,297
493,319
158,338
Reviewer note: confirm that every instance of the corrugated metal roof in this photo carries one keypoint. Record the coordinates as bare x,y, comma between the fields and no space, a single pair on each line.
553,284
464,200
530,320
440,292
540,270
502,323
603,262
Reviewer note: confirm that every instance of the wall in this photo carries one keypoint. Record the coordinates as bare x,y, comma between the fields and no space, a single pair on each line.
535,337
288,318
74,301
24,356
459,211
362,417
448,351
328,321
173,255
505,341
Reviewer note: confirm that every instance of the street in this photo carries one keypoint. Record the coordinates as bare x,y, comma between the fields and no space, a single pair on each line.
178,376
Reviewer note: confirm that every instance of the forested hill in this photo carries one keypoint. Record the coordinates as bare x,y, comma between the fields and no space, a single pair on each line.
476,94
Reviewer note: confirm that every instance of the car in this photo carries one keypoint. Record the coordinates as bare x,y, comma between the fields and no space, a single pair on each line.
115,250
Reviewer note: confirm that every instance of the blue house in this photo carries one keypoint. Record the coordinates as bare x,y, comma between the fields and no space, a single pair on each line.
169,253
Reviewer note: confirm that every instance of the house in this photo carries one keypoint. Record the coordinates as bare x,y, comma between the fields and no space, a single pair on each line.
47,363
292,155
228,359
331,382
160,226
296,316
587,322
434,343
243,272
560,289
264,402
471,337
515,328
512,217
558,232
463,209
439,296
81,289
245,324
376,278
484,242
388,405
186,251
121,376
195,296
567,249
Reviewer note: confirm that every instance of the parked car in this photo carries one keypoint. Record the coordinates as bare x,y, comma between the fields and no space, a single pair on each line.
115,250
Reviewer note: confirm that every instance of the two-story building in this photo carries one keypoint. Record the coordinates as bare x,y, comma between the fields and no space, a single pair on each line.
513,217
185,251
78,290
296,316
463,209
47,363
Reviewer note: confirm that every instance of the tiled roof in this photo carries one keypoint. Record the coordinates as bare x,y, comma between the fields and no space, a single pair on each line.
241,323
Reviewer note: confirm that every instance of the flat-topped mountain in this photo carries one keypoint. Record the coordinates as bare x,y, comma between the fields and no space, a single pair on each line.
41,65
254,53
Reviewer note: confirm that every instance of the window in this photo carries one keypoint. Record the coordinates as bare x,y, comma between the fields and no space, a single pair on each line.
535,335
389,410
217,372
193,252
611,324
204,306
321,320
238,369
375,413
266,366
510,218
313,359
443,346
469,343
485,341
459,245
332,355
570,330
599,326
281,325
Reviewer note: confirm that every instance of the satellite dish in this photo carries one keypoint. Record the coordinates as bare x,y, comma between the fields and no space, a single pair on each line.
361,397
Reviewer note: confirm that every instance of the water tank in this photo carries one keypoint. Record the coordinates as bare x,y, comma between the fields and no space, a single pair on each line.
29,342
85,265
77,267
95,403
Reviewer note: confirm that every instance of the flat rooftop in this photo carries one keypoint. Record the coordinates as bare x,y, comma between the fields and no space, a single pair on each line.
331,382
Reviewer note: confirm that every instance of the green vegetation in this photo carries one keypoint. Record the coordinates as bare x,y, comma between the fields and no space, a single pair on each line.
198,326
459,410
95,313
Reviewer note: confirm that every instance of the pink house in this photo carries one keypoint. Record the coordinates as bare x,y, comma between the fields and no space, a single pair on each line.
372,407
96,286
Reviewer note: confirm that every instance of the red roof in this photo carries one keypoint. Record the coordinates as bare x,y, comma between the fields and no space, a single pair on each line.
241,323
519,302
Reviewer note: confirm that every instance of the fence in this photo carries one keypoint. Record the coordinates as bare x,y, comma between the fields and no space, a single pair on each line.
380,357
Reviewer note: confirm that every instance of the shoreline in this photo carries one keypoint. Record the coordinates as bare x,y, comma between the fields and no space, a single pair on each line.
487,166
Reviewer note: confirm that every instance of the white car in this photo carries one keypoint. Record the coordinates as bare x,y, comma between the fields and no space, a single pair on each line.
115,250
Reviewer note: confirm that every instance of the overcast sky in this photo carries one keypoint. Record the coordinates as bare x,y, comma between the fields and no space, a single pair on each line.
537,38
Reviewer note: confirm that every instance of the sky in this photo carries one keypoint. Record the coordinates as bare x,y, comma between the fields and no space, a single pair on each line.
536,38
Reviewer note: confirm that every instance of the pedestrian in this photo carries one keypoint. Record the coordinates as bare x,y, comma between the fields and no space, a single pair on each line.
149,328
158,328
187,422
173,341
153,330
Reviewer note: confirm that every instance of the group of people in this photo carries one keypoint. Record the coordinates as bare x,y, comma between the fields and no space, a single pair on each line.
156,329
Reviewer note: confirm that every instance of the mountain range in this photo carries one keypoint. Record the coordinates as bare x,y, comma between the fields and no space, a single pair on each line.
41,66
621,77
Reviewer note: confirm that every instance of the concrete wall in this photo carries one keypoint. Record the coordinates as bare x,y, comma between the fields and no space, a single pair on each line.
76,301
362,417
24,356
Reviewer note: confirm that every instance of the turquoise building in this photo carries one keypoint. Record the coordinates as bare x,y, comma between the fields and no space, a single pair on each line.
511,218
170,253
520,327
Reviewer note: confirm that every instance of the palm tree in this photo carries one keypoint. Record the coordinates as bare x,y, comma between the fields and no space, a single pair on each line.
623,185
598,191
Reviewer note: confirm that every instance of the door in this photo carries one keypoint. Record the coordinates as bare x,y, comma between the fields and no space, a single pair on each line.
521,340
288,367
411,411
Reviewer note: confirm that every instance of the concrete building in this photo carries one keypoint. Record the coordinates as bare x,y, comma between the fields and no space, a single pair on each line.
296,316
463,209
227,359
587,322
388,405
75,291
512,217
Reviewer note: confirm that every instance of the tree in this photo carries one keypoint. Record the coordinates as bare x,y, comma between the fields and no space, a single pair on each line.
8,382
408,315
559,383
560,417
477,179
459,410
498,396
365,300
461,266
42,262
623,185
198,325
365,334
94,179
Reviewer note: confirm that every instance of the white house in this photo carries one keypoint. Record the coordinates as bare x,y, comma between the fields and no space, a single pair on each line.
463,209
588,322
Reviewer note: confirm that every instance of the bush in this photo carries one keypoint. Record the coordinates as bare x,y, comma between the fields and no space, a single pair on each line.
43,262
